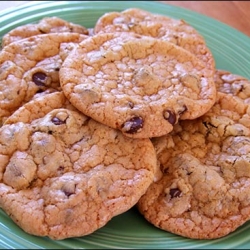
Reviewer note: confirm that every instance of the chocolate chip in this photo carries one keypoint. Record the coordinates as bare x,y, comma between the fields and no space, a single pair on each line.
39,78
39,91
60,168
133,125
170,116
57,121
175,192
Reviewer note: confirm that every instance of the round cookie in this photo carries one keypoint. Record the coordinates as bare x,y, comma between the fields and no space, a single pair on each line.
137,84
30,66
204,191
169,29
65,175
44,26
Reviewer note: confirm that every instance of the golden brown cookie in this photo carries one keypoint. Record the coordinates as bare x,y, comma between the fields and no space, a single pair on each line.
39,107
30,66
44,26
137,84
204,192
65,175
169,29
233,84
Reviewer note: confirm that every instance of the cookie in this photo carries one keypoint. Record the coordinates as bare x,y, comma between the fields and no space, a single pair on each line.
143,22
44,26
30,66
233,84
137,84
39,107
204,191
65,175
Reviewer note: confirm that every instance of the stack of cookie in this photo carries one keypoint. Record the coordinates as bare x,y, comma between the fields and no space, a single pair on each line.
131,112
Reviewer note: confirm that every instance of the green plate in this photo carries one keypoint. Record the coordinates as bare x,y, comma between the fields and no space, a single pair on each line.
231,50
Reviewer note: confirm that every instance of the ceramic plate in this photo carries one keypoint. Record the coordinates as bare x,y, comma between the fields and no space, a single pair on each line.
231,50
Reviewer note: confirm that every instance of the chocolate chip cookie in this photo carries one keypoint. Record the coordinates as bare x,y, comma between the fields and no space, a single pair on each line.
204,191
65,175
159,26
44,26
137,84
39,107
30,66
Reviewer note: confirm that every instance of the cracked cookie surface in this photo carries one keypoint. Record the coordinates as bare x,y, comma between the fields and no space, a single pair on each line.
159,26
39,107
233,84
204,191
29,68
44,26
137,84
65,175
